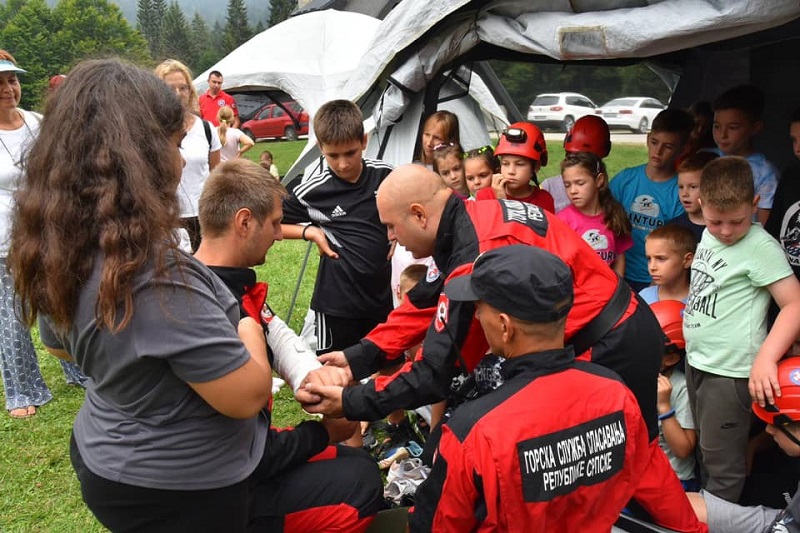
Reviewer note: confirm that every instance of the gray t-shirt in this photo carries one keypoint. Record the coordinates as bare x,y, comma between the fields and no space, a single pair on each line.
141,424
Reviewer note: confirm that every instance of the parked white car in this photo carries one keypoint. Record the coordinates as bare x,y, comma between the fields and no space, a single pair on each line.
559,110
635,113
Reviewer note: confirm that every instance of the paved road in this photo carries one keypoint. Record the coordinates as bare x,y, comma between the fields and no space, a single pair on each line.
616,137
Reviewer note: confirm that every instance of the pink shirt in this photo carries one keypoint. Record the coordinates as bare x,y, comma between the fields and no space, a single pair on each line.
592,230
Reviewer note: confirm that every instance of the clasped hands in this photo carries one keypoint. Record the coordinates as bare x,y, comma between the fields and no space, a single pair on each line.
321,391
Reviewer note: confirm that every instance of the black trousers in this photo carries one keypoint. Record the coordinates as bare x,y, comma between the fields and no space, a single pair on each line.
122,507
339,489
338,333
192,227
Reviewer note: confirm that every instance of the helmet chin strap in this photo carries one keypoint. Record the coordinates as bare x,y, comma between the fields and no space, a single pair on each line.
789,435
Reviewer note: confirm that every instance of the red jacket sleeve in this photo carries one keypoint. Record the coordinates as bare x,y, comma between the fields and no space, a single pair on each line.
661,494
448,499
454,338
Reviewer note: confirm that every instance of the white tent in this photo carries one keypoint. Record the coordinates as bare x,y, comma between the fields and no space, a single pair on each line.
309,57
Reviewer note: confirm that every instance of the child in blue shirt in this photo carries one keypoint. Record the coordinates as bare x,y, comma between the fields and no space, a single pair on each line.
649,192
737,119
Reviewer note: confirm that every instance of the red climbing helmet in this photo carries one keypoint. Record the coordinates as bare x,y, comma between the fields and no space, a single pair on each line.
590,133
787,406
523,139
670,317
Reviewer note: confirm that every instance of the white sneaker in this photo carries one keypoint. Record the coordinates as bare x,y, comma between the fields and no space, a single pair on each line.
408,469
277,383
399,488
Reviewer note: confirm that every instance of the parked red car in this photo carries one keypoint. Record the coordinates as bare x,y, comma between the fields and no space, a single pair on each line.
273,121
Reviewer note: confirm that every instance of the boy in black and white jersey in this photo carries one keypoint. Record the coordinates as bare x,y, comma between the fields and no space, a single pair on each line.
351,293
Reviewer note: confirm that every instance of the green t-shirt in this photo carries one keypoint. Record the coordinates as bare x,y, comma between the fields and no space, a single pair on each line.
725,321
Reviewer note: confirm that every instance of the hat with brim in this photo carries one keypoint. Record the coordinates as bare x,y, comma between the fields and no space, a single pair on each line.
523,281
8,66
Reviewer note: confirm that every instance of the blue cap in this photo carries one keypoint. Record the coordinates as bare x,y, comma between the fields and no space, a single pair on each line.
8,66
526,282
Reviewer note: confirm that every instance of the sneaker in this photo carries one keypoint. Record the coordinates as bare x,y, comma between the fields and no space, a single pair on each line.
369,442
277,383
400,489
411,468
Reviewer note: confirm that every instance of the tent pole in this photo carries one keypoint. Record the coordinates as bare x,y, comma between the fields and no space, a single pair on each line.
299,282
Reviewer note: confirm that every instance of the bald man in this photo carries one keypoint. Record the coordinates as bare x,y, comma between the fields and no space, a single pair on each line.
608,323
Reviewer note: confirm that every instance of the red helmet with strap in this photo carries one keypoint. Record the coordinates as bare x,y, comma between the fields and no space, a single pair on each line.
590,133
787,406
523,139
670,317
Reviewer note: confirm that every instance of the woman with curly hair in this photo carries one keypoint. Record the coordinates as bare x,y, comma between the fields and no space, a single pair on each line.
172,425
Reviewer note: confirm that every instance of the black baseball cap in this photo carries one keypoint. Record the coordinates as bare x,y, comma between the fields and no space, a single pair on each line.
523,281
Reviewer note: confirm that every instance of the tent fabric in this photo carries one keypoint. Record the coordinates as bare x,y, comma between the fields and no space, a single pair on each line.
434,34
393,68
310,57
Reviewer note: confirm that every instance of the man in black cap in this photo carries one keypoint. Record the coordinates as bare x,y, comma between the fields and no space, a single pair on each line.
561,443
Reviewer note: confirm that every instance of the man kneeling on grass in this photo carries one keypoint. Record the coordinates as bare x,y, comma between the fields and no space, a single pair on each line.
303,483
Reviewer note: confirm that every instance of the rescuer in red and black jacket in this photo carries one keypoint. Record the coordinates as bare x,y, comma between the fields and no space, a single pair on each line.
608,323
569,464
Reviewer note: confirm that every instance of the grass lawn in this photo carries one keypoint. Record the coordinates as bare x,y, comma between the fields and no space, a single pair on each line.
38,489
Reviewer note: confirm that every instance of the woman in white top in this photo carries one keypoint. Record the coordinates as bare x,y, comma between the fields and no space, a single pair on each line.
200,148
22,380
234,142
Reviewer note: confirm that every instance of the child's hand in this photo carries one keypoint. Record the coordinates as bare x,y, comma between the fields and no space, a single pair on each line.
499,186
317,236
763,379
664,391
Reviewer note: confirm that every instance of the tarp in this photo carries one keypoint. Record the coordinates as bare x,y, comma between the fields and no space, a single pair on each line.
419,40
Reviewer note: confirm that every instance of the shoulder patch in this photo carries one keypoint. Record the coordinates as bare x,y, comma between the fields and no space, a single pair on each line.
442,310
559,463
433,273
524,213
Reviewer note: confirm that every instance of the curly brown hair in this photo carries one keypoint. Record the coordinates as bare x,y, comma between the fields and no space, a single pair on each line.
100,185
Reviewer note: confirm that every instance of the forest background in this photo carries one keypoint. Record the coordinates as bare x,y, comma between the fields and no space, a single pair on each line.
48,37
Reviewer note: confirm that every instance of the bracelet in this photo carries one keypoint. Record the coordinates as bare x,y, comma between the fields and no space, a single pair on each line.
668,414
303,235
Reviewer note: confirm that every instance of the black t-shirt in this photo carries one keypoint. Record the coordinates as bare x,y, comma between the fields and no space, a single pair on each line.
784,218
696,229
357,283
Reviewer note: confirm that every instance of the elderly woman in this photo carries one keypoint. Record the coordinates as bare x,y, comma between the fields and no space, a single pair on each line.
200,148
22,380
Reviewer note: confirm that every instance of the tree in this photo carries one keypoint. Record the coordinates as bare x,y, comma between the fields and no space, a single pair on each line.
26,34
280,10
47,42
259,27
95,28
237,31
207,54
177,37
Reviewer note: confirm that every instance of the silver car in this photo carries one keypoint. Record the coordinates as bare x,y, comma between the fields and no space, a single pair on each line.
559,110
635,113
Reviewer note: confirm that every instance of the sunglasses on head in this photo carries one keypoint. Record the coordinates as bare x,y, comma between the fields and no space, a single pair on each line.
442,146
